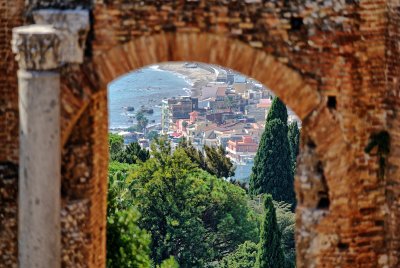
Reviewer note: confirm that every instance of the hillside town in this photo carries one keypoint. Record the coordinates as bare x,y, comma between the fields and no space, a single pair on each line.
229,112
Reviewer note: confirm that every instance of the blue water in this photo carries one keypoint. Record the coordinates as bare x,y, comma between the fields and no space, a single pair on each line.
146,87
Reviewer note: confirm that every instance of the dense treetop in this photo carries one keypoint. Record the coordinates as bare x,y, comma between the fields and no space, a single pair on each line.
190,214
173,208
272,171
278,110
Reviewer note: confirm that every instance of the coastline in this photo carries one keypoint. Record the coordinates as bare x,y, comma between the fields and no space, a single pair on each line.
192,80
196,77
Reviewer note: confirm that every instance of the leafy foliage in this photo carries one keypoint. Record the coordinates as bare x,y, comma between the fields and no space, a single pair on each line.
134,128
272,171
213,160
191,215
287,223
194,218
278,110
270,253
116,145
194,155
122,168
142,121
152,135
243,257
127,244
294,140
217,162
132,154
169,263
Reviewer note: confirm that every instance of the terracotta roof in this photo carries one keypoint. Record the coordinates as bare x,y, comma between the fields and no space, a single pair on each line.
176,135
221,91
264,103
210,127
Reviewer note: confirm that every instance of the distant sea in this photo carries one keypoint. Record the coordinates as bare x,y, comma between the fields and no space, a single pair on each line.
146,87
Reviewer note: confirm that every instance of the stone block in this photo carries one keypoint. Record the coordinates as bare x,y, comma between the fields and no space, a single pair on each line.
72,28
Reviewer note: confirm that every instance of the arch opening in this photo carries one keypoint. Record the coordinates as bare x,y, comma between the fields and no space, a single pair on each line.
221,119
286,83
202,88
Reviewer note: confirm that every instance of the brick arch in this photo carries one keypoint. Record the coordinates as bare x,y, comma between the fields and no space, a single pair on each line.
284,81
298,92
321,129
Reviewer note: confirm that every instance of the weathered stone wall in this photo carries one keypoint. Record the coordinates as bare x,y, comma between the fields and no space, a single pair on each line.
335,63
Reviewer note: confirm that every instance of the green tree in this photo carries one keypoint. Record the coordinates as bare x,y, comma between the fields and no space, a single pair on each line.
217,162
278,110
152,135
116,145
243,257
130,155
190,214
169,263
133,153
142,121
127,244
294,140
213,160
272,170
123,169
194,155
270,253
286,221
229,102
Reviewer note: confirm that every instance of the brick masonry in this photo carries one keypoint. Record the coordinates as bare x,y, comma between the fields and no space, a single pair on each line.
335,63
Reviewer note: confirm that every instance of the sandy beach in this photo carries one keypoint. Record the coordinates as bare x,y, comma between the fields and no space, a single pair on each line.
197,77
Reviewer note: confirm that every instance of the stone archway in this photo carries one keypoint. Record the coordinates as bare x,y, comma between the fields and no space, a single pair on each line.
212,49
320,127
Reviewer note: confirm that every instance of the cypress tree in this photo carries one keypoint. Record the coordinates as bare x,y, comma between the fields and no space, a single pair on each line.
270,252
294,139
278,110
272,170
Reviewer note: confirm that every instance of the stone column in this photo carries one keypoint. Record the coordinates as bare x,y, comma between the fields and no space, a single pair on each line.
57,38
39,232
